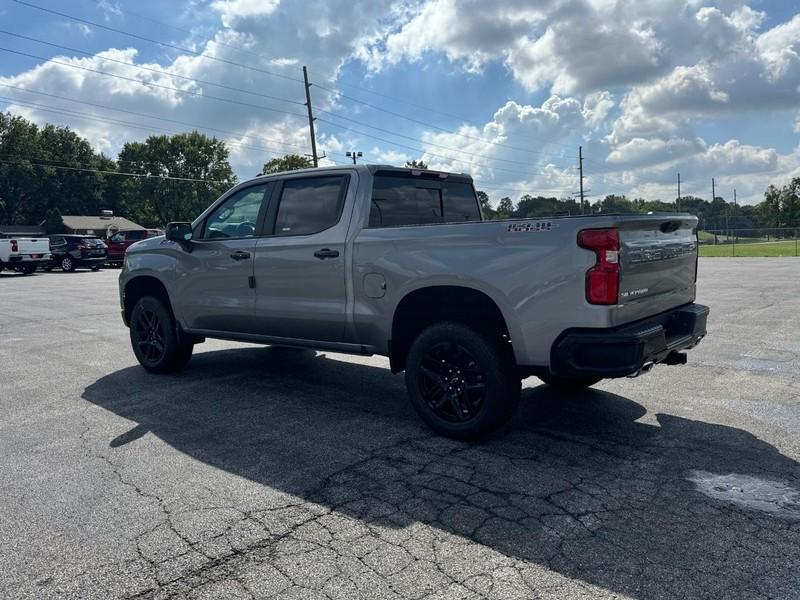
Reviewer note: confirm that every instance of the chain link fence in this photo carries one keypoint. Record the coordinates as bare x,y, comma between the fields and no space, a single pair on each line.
779,241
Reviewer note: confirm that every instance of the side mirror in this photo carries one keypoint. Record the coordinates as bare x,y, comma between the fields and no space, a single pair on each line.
179,232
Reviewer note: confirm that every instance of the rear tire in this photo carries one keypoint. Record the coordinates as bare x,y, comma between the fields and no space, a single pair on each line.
67,264
95,268
462,383
28,269
154,337
567,384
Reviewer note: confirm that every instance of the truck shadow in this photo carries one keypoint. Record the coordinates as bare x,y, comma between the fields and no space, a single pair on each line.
683,508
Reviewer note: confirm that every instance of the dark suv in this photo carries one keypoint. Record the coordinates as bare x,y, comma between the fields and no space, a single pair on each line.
68,252
119,242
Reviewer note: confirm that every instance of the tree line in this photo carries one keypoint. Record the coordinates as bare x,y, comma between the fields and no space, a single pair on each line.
50,171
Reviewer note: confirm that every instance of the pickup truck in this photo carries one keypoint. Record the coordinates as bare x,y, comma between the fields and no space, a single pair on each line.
370,259
24,255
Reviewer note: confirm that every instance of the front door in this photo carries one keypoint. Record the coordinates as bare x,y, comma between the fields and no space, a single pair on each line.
300,264
216,271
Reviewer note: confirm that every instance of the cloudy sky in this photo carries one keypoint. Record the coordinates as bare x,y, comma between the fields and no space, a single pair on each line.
505,90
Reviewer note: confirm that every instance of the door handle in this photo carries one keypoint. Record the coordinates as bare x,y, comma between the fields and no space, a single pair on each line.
240,255
326,253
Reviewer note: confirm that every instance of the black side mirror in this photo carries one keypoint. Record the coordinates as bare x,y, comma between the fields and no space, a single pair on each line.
179,232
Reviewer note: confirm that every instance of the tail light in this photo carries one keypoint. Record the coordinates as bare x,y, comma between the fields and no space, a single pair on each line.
81,247
602,280
14,246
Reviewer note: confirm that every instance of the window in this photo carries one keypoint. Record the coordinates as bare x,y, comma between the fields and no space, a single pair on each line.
136,235
408,200
118,237
310,205
460,202
236,217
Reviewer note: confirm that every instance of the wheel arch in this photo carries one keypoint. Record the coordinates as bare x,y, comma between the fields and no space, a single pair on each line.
137,288
428,304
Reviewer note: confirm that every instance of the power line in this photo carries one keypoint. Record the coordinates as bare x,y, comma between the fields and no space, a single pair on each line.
152,41
270,59
150,84
437,127
271,73
28,163
106,121
238,134
423,151
151,70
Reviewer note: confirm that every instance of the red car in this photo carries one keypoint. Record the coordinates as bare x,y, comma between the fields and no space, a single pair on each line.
119,242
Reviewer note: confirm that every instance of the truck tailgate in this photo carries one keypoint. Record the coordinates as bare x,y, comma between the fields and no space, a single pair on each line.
33,246
27,246
658,260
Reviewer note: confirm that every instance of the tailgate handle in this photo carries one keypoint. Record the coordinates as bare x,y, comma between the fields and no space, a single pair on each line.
670,226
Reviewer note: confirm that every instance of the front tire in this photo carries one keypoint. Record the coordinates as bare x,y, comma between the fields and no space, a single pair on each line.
154,337
462,383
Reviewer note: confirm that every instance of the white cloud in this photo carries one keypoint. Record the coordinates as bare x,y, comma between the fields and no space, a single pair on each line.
233,10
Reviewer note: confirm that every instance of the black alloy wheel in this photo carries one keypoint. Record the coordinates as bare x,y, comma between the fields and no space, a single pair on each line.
148,330
452,382
155,337
462,381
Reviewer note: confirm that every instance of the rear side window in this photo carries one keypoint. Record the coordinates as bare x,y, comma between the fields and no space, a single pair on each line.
408,200
136,235
310,205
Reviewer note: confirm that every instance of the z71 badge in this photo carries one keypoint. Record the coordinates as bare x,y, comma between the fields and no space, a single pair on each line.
530,227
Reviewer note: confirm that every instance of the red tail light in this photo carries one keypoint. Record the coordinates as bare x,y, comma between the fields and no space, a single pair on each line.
14,247
81,247
602,280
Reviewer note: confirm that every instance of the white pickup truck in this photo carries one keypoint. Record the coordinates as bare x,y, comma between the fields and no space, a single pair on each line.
24,254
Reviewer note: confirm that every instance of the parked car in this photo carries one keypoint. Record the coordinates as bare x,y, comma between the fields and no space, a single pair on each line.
120,241
69,252
382,260
24,254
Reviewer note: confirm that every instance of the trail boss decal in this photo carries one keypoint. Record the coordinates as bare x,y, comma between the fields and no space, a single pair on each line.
530,227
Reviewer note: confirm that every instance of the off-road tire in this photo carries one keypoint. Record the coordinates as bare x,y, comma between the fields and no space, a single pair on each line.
479,409
154,337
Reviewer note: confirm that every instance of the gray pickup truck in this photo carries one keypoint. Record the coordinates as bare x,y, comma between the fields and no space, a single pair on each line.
398,262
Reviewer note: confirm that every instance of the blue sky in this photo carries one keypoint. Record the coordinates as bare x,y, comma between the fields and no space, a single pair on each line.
505,90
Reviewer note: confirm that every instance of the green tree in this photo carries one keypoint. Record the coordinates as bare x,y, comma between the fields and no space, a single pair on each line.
288,162
198,165
483,200
47,167
505,208
614,203
416,164
53,223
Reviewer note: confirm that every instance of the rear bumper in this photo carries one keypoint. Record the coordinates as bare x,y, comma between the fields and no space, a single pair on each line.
26,259
93,261
626,350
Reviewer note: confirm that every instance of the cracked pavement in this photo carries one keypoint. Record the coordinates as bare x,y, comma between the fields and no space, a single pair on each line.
278,473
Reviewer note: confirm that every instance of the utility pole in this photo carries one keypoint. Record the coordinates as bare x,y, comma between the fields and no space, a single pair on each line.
713,190
580,169
310,118
354,155
678,201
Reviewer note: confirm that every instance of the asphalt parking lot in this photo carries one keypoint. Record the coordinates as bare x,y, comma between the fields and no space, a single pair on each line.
266,472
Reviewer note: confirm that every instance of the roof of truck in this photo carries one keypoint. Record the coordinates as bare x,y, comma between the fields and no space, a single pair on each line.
369,167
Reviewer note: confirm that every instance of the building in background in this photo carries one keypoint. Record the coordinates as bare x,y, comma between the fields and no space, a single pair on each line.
103,226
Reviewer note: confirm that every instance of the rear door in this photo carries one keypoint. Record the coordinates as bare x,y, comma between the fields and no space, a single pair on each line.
658,260
300,262
216,270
